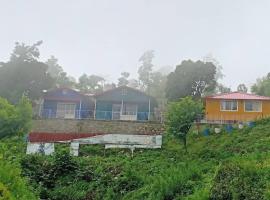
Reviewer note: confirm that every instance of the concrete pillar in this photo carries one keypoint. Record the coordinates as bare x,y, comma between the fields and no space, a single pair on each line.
74,148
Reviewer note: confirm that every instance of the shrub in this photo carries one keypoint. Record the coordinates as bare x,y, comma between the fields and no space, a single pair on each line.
12,183
4,193
234,181
15,119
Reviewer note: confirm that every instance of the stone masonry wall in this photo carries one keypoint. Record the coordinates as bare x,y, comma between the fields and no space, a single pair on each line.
96,126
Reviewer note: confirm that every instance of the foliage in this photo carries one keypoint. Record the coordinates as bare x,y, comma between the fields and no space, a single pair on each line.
24,74
90,84
12,185
146,69
181,115
191,79
54,69
238,181
242,88
25,53
15,119
235,165
123,80
220,88
262,86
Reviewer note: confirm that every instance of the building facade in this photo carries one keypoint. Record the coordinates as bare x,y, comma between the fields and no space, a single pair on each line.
236,107
122,103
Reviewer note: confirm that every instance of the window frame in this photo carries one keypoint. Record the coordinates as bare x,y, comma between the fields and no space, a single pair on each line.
229,101
259,111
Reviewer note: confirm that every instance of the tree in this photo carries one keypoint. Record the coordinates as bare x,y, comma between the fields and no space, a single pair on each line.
157,88
123,80
54,69
220,88
92,83
181,115
24,74
191,79
25,53
242,88
262,86
145,69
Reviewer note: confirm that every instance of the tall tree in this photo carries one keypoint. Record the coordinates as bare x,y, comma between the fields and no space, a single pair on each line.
24,74
242,88
146,69
123,80
60,76
54,69
191,79
262,86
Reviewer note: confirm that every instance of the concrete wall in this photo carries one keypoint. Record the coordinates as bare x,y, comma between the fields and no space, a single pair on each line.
96,126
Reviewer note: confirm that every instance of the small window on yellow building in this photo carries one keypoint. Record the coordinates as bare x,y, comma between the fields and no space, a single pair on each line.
253,106
229,105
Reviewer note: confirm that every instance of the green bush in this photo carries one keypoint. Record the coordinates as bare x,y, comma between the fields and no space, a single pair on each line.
4,193
15,119
13,185
235,182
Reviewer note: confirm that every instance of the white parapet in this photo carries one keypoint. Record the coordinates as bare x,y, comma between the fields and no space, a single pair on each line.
109,140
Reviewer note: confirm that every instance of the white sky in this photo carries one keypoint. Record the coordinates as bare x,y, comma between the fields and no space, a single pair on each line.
108,37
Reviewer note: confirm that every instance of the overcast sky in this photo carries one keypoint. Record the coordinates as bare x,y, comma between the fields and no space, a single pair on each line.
108,37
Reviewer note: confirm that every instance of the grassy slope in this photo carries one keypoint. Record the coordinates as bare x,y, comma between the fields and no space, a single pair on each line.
224,166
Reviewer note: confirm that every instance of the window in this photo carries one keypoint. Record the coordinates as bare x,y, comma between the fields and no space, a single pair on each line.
253,106
66,110
229,105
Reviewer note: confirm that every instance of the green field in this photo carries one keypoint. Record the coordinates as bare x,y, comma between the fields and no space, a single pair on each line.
221,166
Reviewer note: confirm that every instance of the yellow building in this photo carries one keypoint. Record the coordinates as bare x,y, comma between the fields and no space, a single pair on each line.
236,107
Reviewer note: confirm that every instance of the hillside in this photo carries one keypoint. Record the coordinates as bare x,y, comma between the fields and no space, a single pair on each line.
223,166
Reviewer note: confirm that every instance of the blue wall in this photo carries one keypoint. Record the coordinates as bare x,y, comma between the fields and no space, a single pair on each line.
51,99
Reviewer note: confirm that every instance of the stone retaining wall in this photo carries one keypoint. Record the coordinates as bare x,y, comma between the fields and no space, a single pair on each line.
96,126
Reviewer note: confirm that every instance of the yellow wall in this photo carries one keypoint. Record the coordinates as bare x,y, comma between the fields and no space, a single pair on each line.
213,112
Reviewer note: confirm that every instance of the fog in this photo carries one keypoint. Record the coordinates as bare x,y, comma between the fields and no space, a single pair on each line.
108,37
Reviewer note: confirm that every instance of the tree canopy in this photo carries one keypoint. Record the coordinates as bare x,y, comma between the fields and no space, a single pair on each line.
262,86
242,88
90,84
191,79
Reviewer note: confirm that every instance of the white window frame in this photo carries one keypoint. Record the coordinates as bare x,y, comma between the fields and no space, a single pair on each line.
66,113
228,110
260,110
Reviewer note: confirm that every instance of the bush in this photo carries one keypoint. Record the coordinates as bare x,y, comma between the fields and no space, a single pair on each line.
15,119
12,183
4,193
233,182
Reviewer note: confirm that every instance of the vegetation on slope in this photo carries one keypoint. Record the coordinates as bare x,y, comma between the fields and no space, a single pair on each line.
221,166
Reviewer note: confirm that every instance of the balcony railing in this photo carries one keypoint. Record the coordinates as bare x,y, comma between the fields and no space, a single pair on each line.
98,115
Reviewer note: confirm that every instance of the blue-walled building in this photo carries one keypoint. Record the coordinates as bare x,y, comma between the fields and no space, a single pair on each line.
66,103
122,103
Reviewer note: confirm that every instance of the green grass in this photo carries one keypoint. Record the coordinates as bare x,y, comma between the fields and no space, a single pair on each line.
221,166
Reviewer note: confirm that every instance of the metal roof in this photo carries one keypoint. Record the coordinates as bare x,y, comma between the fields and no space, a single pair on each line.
238,95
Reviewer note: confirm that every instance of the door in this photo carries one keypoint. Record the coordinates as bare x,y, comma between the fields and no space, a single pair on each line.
116,111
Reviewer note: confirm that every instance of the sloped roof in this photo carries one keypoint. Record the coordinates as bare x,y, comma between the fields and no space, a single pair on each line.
58,137
239,96
119,88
